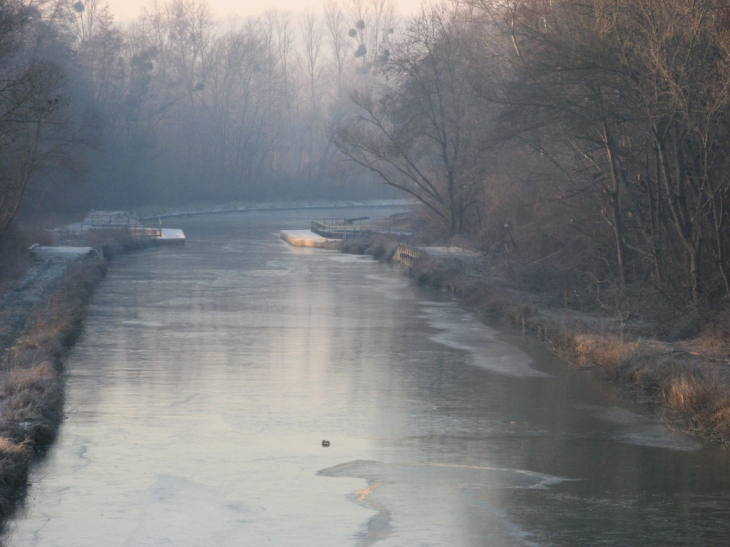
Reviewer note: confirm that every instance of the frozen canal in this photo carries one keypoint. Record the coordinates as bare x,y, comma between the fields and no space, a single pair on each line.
208,376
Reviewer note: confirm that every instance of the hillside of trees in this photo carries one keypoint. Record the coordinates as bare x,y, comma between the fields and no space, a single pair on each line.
583,142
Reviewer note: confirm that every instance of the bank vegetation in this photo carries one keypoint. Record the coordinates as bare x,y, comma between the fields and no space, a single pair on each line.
584,146
685,378
41,313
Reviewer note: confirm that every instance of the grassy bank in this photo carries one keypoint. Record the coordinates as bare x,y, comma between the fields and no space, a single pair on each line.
32,363
31,385
688,378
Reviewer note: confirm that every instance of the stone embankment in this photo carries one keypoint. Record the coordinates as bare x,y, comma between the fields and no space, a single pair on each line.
688,383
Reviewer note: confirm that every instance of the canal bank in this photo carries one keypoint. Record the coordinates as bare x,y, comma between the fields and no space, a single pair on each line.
41,318
687,379
208,375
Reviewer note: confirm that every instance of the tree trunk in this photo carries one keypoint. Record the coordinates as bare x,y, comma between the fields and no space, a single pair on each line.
615,204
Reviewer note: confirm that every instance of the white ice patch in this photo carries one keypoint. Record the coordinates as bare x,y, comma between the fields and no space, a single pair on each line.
462,331
423,504
644,431
393,288
267,274
459,476
178,511
145,324
348,258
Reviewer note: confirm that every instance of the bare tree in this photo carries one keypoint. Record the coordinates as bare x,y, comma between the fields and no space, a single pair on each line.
337,36
87,16
373,26
630,99
36,120
417,133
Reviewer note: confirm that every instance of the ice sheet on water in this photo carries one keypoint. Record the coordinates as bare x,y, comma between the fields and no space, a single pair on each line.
461,330
179,511
423,504
462,476
633,428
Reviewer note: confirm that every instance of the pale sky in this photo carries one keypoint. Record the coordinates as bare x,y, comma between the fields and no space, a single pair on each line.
129,10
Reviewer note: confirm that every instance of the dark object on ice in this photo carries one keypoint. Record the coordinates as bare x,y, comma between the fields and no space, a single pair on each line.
325,443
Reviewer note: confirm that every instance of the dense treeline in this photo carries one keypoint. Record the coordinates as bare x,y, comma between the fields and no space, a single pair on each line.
587,140
176,107
39,130
194,108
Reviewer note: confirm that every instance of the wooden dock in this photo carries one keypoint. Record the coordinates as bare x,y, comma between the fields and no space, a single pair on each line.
170,236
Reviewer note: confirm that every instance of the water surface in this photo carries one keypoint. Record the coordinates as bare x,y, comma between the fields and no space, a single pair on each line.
208,376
